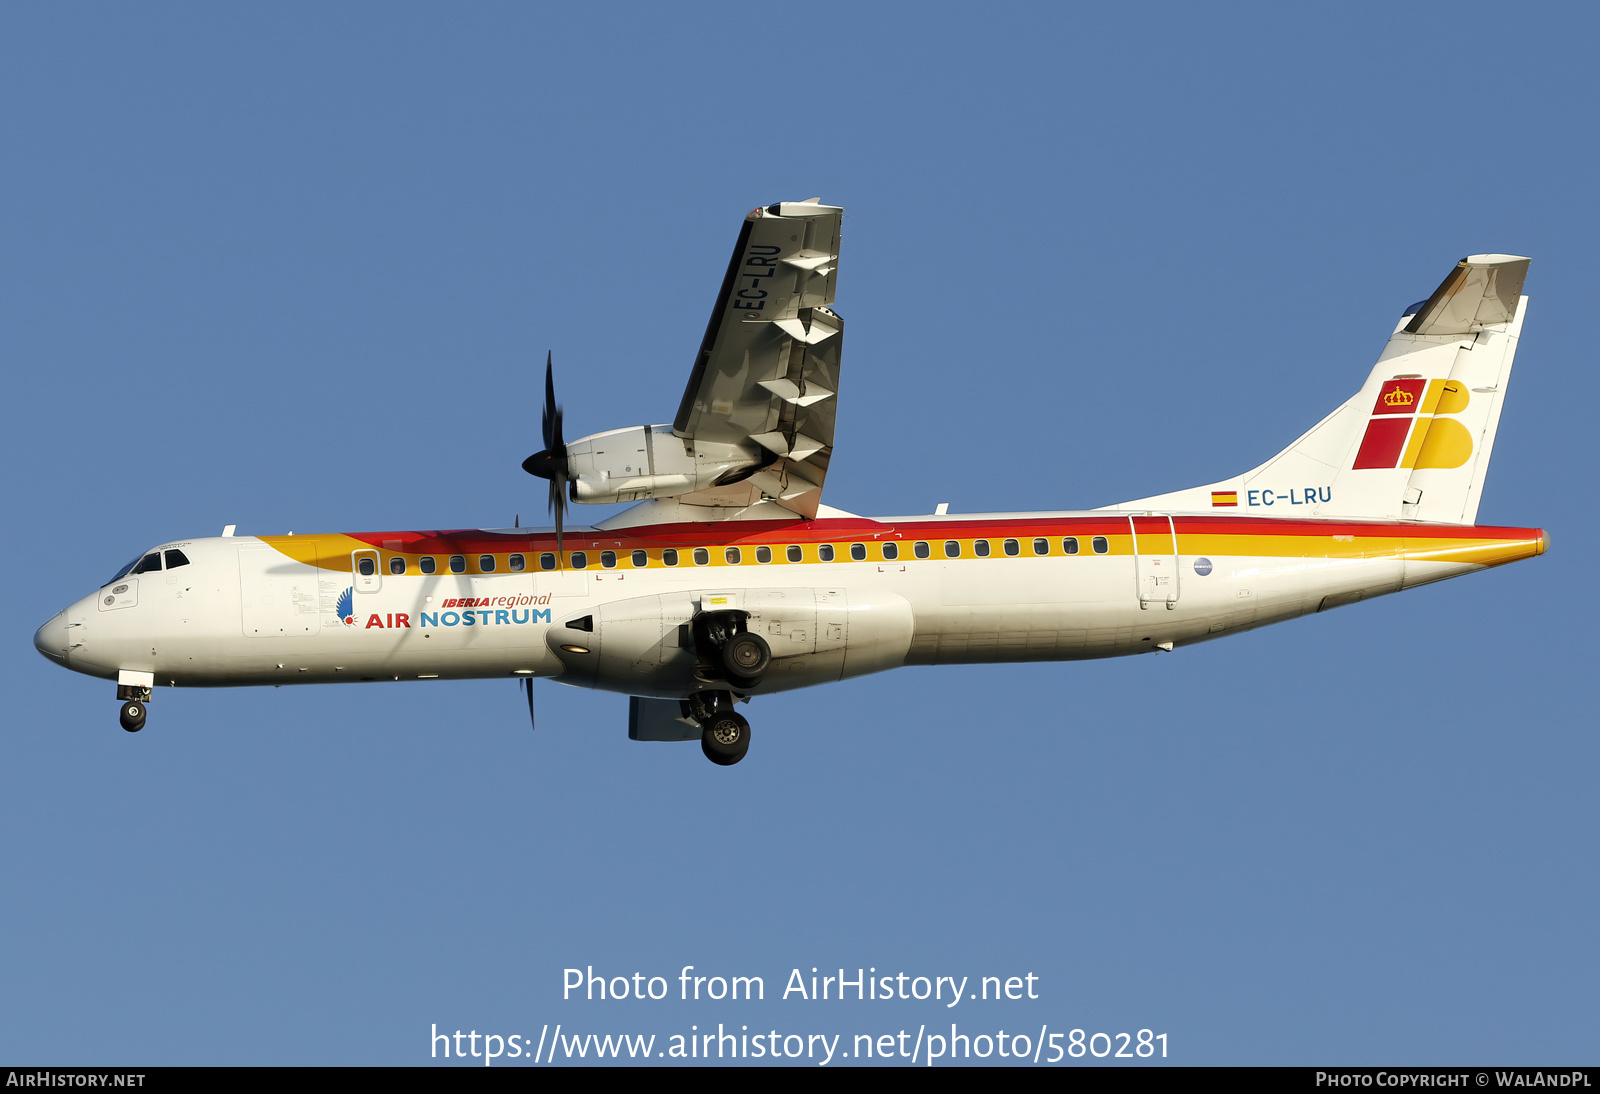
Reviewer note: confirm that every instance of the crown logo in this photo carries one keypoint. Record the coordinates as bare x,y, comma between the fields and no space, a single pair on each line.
1398,397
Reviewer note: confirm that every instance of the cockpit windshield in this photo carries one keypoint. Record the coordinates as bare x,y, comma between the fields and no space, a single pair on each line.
150,562
143,564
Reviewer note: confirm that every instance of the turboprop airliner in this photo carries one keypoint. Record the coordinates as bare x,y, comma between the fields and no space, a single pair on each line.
731,580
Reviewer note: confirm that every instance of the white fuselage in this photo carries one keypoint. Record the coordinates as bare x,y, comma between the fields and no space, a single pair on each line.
244,611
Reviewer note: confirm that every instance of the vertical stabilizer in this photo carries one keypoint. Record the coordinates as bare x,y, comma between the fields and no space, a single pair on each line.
1414,442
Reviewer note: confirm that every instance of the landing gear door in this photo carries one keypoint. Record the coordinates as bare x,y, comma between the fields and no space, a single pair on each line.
785,618
1155,560
365,572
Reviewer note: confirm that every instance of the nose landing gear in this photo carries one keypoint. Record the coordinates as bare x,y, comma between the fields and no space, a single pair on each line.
134,707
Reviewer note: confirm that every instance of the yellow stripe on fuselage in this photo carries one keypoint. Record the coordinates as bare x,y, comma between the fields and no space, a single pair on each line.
334,551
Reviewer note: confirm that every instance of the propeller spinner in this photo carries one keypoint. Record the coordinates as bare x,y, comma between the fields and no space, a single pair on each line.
551,463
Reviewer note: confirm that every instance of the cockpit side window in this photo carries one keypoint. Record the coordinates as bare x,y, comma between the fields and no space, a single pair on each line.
149,562
176,558
125,570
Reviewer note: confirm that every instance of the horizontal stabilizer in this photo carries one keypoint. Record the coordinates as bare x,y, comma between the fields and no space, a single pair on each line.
1482,291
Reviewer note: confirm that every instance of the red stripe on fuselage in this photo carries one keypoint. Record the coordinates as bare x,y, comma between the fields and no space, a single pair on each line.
837,530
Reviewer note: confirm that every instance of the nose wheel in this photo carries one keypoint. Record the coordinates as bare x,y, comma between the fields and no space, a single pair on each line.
133,714
134,707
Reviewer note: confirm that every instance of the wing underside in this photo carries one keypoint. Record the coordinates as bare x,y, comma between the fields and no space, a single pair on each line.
767,374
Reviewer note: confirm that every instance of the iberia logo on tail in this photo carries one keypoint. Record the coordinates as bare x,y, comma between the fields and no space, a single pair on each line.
1407,427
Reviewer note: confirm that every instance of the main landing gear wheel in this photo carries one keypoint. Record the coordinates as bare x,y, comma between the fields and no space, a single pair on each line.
745,658
133,713
725,738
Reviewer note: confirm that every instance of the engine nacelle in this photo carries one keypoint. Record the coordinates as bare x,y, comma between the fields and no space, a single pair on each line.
643,462
646,645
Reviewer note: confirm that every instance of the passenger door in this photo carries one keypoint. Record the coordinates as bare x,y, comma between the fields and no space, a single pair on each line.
366,570
1155,560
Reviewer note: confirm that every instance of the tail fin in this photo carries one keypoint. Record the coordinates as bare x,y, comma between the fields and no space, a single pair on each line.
1414,442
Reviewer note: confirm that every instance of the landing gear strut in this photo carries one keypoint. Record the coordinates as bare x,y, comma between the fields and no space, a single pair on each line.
134,709
724,733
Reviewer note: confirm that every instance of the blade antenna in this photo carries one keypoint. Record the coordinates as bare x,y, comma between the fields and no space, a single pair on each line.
526,684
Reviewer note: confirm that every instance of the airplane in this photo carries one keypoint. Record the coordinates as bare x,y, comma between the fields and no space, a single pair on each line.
729,579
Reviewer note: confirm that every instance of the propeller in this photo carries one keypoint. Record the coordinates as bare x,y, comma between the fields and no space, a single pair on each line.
551,463
525,683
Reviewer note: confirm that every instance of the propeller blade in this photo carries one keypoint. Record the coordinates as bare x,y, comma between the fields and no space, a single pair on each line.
558,506
552,412
552,463
526,684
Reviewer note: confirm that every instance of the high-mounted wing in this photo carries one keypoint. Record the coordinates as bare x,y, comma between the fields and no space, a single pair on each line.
768,368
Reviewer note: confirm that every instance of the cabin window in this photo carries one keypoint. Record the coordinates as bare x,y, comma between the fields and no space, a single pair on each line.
458,564
1013,547
952,549
547,561
1069,546
639,559
1041,546
794,554
858,551
920,548
517,564
763,554
980,547
732,555
608,559
580,559
669,557
397,565
891,551
152,561
701,556
486,564
366,566
175,559
1100,545
825,552
427,564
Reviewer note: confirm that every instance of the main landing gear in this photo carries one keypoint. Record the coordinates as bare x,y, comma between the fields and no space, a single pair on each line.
134,707
724,733
730,651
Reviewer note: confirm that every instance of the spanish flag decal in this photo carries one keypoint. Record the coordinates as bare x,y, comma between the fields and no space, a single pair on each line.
1222,498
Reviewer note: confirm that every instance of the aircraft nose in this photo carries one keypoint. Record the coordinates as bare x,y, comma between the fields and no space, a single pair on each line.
51,639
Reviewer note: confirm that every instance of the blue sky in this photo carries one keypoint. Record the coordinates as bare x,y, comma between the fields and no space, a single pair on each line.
296,268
